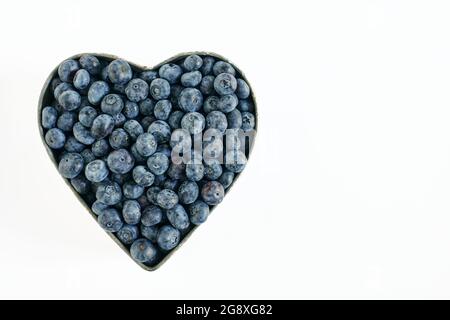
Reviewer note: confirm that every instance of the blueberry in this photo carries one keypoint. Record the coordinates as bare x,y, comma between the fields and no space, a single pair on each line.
90,63
188,192
55,138
149,232
128,234
190,100
146,144
160,89
193,122
242,90
97,91
67,70
147,121
96,171
132,190
81,184
87,115
100,148
211,104
81,79
225,83
248,121
191,79
73,145
168,237
109,193
142,250
110,220
178,217
213,192
217,120
133,128
165,149
131,212
171,184
120,161
151,216
226,179
193,62
162,109
146,107
98,207
213,170
227,103
177,171
195,171
69,100
207,85
208,63
161,130
142,176
87,155
234,119
175,91
198,212
170,72
235,161
104,74
131,109
174,120
223,67
61,88
112,104
158,163
148,75
167,199
49,116
245,106
137,90
54,83
137,156
152,193
119,71
119,139
66,121
70,165
102,126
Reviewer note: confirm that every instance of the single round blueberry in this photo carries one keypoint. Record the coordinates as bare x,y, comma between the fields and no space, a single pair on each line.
137,90
225,83
146,144
69,100
97,91
146,107
191,79
120,161
87,115
109,193
49,116
96,171
119,139
193,122
149,232
73,145
66,121
167,199
168,237
87,155
216,120
161,130
207,85
152,193
100,148
248,121
235,161
81,79
102,126
158,163
110,220
188,192
133,128
131,212
190,100
234,119
148,75
198,212
242,90
178,217
213,192
55,138
98,207
223,67
132,190
177,171
174,120
162,109
170,72
227,103
90,63
81,184
208,63
142,176
70,165
131,109
226,179
61,88
160,89
151,216
119,71
195,171
128,234
142,250
245,106
213,170
112,104
193,62
67,70
211,104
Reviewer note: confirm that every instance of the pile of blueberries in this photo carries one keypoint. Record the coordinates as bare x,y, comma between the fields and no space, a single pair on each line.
112,129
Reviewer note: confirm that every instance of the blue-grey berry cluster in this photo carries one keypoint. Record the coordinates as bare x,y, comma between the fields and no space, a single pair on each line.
113,130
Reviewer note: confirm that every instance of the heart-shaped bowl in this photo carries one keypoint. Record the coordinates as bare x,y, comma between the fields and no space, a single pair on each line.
46,98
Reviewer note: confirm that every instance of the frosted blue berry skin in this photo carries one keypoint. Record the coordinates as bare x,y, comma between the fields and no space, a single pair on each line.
147,121
87,155
168,237
73,145
151,215
112,104
120,161
234,119
142,250
207,85
128,234
210,104
119,139
207,67
146,107
178,217
235,161
170,72
242,89
161,130
248,121
188,192
193,122
148,75
246,106
192,62
102,126
198,212
136,155
66,121
132,190
146,144
177,171
191,79
81,184
100,148
217,120
96,171
162,109
70,165
223,67
119,72
149,232
213,170
167,199
81,79
131,212
110,220
131,109
225,83
143,176
160,89
90,63
98,207
87,115
190,100
212,193
175,91
62,87
152,193
226,178
137,90
55,138
67,70
109,193
133,128
49,116
227,103
97,91
195,171
69,100
171,184
174,120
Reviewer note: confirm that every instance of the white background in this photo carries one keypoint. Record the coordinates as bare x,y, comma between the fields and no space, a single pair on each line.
347,193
